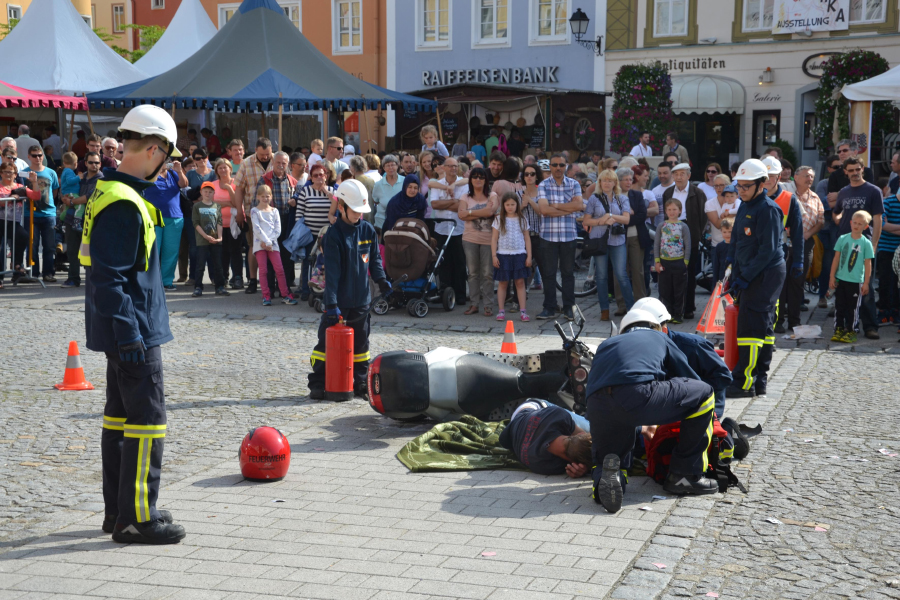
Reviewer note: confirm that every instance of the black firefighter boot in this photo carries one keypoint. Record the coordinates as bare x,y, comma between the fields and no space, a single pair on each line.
690,484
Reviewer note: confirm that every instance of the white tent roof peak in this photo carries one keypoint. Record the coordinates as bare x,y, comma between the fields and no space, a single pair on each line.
707,94
53,50
189,31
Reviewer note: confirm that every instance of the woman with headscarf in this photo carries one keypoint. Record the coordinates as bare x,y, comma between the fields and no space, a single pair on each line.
408,203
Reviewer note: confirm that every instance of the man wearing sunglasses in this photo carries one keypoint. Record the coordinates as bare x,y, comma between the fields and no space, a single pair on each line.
559,198
74,216
860,195
126,318
334,151
46,182
828,233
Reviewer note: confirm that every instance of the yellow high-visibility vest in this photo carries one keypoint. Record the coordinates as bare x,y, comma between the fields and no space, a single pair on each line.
105,194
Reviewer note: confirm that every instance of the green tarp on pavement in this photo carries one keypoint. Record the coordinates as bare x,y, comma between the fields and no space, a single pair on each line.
464,445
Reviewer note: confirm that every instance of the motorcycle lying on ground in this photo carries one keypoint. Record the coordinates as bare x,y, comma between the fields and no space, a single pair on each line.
445,383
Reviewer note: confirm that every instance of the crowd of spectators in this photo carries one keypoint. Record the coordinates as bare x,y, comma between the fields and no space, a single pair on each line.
654,223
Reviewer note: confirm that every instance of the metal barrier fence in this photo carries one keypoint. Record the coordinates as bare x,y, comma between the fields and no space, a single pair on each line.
9,242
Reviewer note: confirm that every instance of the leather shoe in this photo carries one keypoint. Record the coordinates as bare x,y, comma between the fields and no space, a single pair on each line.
608,489
872,334
109,521
823,303
734,391
316,394
697,485
604,315
151,532
620,312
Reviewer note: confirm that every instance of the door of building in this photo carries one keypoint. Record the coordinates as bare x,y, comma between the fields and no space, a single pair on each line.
766,130
709,138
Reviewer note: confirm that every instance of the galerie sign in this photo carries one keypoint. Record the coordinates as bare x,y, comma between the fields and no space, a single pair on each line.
503,76
795,16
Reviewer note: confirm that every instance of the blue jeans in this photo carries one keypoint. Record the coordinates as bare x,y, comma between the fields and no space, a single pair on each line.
618,255
168,240
828,235
44,236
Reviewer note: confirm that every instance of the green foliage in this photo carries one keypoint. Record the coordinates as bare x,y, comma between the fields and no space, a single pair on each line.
5,28
103,35
840,70
149,35
642,101
787,151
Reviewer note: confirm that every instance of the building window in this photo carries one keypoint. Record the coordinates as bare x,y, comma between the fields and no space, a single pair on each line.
433,24
867,11
492,22
670,18
758,15
347,19
549,22
118,12
292,12
157,4
226,11
88,20
13,12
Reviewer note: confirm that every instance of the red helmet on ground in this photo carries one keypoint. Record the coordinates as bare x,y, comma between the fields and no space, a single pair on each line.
265,454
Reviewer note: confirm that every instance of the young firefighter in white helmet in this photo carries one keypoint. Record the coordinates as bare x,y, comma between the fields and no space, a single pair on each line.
757,274
351,254
126,318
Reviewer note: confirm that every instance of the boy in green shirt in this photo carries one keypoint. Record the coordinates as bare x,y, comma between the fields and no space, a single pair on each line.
851,271
207,220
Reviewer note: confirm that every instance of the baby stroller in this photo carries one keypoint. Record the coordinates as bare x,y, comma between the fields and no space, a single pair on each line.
411,262
317,273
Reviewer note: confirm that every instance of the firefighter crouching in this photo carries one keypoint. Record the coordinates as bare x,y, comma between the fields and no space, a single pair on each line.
126,318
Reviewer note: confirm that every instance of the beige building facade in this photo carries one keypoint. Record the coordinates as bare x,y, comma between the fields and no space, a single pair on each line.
736,85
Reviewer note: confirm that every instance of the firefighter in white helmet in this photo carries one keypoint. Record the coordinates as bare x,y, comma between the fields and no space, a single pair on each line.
126,318
757,275
351,255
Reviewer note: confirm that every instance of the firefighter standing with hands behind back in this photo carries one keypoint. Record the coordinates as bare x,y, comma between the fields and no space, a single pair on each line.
757,274
126,318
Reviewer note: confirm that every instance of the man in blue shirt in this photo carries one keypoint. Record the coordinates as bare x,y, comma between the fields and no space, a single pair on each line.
641,378
46,182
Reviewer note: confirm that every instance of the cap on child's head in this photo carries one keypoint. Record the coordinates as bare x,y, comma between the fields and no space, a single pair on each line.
208,184
730,189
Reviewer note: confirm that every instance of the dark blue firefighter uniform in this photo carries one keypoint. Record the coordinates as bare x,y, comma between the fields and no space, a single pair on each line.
707,364
351,253
642,378
123,301
757,260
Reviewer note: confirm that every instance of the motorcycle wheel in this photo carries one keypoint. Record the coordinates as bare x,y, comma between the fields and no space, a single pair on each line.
417,308
380,306
415,419
448,299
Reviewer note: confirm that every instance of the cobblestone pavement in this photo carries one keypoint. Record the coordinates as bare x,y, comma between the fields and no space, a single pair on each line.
825,468
354,523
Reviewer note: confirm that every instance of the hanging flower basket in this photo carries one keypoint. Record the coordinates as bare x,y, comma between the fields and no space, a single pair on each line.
642,101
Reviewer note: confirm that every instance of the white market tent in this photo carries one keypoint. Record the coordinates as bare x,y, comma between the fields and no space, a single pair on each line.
53,50
881,87
189,31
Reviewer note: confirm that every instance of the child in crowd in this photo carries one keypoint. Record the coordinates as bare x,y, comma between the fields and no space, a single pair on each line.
69,181
430,141
672,252
351,254
720,251
316,146
206,217
851,271
511,249
266,229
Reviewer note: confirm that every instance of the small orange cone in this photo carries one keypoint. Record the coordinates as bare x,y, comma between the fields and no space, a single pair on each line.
74,378
509,340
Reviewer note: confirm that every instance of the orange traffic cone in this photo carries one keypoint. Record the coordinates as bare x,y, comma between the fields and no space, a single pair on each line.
74,378
509,340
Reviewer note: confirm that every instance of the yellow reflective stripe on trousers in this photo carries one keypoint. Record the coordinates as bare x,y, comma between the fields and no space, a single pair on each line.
114,423
709,432
749,342
141,492
361,357
705,407
316,355
751,366
144,431
729,453
770,339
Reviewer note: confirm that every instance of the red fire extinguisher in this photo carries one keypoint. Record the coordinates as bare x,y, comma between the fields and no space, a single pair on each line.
731,348
339,362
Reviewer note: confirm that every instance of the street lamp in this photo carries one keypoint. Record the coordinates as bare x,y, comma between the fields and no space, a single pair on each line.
579,24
